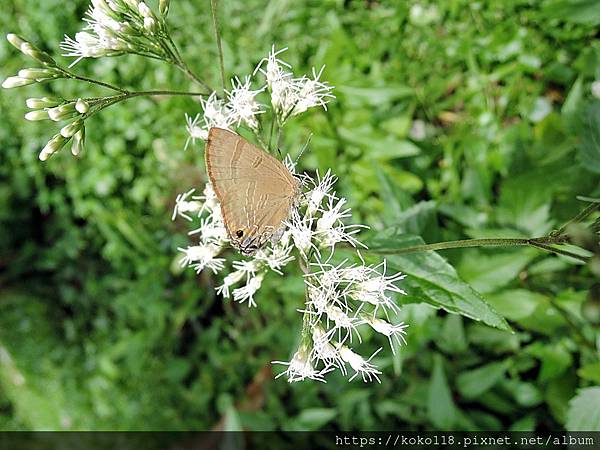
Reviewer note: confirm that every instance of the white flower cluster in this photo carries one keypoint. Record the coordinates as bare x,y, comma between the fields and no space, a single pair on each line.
240,108
340,298
115,27
292,96
289,97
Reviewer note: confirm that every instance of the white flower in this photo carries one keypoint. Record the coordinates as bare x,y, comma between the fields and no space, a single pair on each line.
301,230
292,96
389,330
300,367
324,351
321,189
211,230
216,112
276,257
203,256
359,365
373,290
231,279
103,35
184,206
311,92
247,292
195,131
242,103
343,323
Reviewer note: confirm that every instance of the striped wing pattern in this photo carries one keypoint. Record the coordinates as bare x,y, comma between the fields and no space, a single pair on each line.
255,190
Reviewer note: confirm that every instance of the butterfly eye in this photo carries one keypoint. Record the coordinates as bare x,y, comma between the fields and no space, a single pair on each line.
239,233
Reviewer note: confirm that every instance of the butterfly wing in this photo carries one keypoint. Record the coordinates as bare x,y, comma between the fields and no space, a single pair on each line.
255,190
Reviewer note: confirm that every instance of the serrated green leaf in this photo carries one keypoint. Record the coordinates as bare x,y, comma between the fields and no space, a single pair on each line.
432,280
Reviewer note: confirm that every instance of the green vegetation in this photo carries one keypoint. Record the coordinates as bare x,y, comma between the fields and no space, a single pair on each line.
100,328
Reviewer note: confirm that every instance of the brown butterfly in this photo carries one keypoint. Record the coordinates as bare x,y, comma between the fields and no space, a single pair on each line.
256,191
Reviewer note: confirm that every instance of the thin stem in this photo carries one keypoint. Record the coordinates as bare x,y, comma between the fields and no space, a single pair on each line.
167,92
181,65
215,18
578,218
91,81
271,132
105,102
501,242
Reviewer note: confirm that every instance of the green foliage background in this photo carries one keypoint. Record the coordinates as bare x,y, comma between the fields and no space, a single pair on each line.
99,329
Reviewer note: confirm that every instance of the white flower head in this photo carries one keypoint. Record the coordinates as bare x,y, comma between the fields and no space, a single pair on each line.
311,93
230,280
247,292
184,205
203,256
300,367
194,129
292,96
242,103
396,332
360,366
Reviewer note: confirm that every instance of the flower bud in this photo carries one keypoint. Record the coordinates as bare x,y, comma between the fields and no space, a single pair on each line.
15,40
163,7
72,128
56,143
14,82
43,102
145,10
40,114
32,51
78,142
149,24
82,106
37,73
62,112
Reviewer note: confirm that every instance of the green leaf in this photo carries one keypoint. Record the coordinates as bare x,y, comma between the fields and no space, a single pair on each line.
311,419
589,149
377,145
584,413
590,372
453,338
488,272
440,407
516,304
555,359
475,382
576,11
432,280
376,96
558,393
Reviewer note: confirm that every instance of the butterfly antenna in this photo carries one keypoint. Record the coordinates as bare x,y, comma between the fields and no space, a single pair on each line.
304,147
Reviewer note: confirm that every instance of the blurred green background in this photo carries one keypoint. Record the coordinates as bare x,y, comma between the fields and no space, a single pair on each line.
453,120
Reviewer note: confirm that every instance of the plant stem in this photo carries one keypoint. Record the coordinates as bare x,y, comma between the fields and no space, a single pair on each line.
215,18
181,65
74,76
105,102
500,242
578,218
